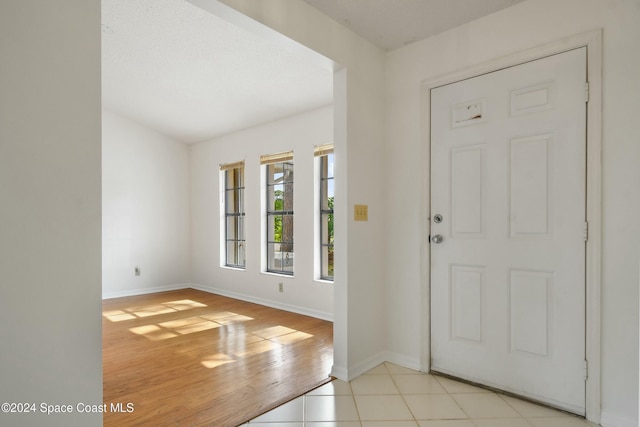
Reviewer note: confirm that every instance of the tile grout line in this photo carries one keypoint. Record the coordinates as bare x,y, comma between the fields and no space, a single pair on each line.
304,409
389,374
355,404
393,380
515,409
454,400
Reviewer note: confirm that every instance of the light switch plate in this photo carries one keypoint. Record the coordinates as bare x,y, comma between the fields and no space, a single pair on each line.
361,212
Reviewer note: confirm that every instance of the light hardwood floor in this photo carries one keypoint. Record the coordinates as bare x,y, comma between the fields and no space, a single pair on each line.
192,358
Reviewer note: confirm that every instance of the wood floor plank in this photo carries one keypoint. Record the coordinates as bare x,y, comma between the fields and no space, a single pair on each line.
193,358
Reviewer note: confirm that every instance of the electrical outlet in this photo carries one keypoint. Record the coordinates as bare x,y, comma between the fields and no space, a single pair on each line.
137,270
361,212
281,287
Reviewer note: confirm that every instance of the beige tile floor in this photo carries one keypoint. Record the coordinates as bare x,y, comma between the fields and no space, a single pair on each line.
392,396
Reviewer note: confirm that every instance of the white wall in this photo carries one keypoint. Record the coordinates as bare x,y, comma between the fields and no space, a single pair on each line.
50,305
525,26
145,211
299,133
359,297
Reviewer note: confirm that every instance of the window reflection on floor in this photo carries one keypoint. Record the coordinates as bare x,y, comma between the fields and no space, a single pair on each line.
252,343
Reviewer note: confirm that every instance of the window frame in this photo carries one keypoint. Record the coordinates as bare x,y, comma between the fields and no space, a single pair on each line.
326,213
238,212
287,165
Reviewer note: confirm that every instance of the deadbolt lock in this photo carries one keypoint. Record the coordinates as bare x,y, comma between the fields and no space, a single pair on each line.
437,218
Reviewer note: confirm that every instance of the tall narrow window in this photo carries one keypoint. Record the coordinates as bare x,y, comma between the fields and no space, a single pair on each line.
325,153
234,215
280,253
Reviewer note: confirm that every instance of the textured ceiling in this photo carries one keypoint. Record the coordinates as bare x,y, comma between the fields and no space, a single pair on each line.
186,73
191,75
390,24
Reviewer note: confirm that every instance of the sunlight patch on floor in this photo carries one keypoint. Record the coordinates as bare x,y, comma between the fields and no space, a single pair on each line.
151,310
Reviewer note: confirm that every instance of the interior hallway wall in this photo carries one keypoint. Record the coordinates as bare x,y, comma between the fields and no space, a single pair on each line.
524,26
50,304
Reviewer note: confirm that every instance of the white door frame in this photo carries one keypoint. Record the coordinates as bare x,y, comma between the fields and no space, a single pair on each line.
593,42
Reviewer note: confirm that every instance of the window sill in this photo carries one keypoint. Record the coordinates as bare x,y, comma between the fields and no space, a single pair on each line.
273,273
228,267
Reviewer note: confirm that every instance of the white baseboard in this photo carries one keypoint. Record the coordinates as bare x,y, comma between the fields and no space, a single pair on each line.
144,291
366,365
269,303
340,373
404,361
348,374
607,419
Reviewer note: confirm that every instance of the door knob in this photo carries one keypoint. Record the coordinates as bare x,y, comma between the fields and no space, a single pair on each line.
437,238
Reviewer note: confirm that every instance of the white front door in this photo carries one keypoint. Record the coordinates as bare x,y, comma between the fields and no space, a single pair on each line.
508,229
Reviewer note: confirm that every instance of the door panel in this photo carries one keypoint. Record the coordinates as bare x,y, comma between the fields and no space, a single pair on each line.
507,279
